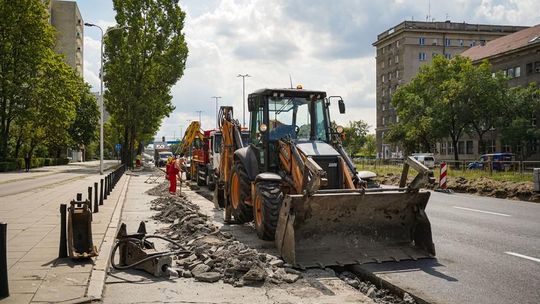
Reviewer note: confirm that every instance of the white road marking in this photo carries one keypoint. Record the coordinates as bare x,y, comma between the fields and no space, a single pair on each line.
523,256
481,211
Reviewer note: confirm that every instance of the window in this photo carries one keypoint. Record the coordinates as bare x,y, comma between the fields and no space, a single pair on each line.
490,145
447,42
396,59
383,49
397,74
529,68
507,148
435,41
517,71
389,76
383,106
384,121
447,55
422,56
537,67
461,42
389,62
534,121
450,148
422,41
469,144
383,79
473,43
443,148
383,92
461,147
383,64
510,73
397,43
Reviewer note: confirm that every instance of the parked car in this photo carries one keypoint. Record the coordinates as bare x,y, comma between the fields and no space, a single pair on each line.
501,161
427,159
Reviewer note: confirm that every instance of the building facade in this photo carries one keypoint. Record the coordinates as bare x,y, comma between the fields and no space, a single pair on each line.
401,51
66,18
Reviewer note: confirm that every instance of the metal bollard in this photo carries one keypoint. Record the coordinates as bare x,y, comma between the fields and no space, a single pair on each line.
62,252
4,286
105,190
90,198
96,198
101,192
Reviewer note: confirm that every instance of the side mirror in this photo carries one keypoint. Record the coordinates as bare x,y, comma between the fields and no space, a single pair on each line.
341,105
251,105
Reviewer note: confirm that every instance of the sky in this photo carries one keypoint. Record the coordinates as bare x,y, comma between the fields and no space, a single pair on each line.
320,44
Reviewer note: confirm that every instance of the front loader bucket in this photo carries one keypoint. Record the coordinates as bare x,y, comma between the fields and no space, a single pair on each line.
80,244
351,227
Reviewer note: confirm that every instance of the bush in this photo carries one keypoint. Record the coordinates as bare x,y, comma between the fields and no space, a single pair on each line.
8,166
61,161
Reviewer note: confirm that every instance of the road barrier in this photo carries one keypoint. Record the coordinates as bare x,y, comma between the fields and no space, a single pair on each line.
96,198
442,177
62,251
4,287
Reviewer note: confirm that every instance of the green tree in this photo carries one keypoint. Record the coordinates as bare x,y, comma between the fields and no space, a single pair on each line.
83,130
369,149
25,38
355,136
518,129
141,67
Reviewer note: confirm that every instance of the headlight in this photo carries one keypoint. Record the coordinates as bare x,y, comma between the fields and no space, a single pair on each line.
263,128
339,129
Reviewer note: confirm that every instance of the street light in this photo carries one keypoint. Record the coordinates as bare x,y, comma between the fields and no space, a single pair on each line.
101,90
216,97
244,97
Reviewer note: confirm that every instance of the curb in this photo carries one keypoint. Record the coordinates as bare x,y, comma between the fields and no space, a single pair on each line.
99,271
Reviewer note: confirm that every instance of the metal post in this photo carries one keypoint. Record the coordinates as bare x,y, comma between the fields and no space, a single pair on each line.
217,118
4,286
101,193
96,198
62,252
90,198
243,97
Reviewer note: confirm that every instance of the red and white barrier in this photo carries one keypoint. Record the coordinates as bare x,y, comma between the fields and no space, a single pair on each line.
442,177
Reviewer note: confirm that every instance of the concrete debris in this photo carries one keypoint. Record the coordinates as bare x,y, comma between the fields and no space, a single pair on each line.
209,277
378,295
214,251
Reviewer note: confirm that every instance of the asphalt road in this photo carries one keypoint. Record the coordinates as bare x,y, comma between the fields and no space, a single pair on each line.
488,251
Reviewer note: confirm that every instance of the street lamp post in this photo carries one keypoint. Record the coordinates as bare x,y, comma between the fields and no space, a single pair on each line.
243,97
101,90
216,97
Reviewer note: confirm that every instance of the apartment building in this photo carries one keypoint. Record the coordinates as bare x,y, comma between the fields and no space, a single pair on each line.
402,49
66,18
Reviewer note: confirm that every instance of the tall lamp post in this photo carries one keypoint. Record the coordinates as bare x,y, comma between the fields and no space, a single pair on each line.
243,97
216,98
101,90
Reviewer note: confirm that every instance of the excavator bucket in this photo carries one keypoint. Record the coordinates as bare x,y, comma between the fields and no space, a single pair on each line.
341,227
80,244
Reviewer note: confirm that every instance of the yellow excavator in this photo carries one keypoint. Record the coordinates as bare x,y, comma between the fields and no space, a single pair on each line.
192,143
302,190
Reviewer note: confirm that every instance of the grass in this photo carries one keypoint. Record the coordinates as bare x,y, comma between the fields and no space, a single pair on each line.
467,174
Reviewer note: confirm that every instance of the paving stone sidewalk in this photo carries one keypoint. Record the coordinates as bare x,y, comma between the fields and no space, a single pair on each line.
35,274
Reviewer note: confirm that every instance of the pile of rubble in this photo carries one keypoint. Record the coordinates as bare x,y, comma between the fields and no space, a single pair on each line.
483,186
215,254
378,295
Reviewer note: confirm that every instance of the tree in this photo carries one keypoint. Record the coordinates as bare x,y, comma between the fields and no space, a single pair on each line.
355,136
518,129
141,67
83,130
369,149
25,38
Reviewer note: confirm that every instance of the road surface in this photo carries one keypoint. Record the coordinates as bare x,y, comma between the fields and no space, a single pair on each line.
488,251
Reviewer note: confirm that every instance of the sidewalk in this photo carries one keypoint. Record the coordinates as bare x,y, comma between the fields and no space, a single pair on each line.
35,275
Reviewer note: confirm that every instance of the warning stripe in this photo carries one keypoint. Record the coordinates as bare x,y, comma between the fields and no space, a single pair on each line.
442,178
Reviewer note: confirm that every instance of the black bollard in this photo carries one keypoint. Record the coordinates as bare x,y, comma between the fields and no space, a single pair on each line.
96,198
4,287
62,252
105,193
90,198
101,192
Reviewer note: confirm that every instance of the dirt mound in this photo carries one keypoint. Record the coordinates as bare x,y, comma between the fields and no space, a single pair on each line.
159,190
215,254
483,186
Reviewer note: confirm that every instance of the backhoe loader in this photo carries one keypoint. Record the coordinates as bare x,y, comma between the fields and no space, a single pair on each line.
302,190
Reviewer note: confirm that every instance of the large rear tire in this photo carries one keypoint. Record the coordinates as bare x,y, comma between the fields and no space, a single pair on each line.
268,199
239,193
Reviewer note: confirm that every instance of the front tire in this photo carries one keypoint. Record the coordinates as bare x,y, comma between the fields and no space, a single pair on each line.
268,199
239,191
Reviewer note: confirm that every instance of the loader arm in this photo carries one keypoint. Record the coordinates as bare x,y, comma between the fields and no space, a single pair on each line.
192,133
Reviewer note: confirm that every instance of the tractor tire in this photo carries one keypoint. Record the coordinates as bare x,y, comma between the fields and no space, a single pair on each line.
268,199
239,192
201,177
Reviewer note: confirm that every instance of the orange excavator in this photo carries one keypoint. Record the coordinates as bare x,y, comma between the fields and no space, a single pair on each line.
295,180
